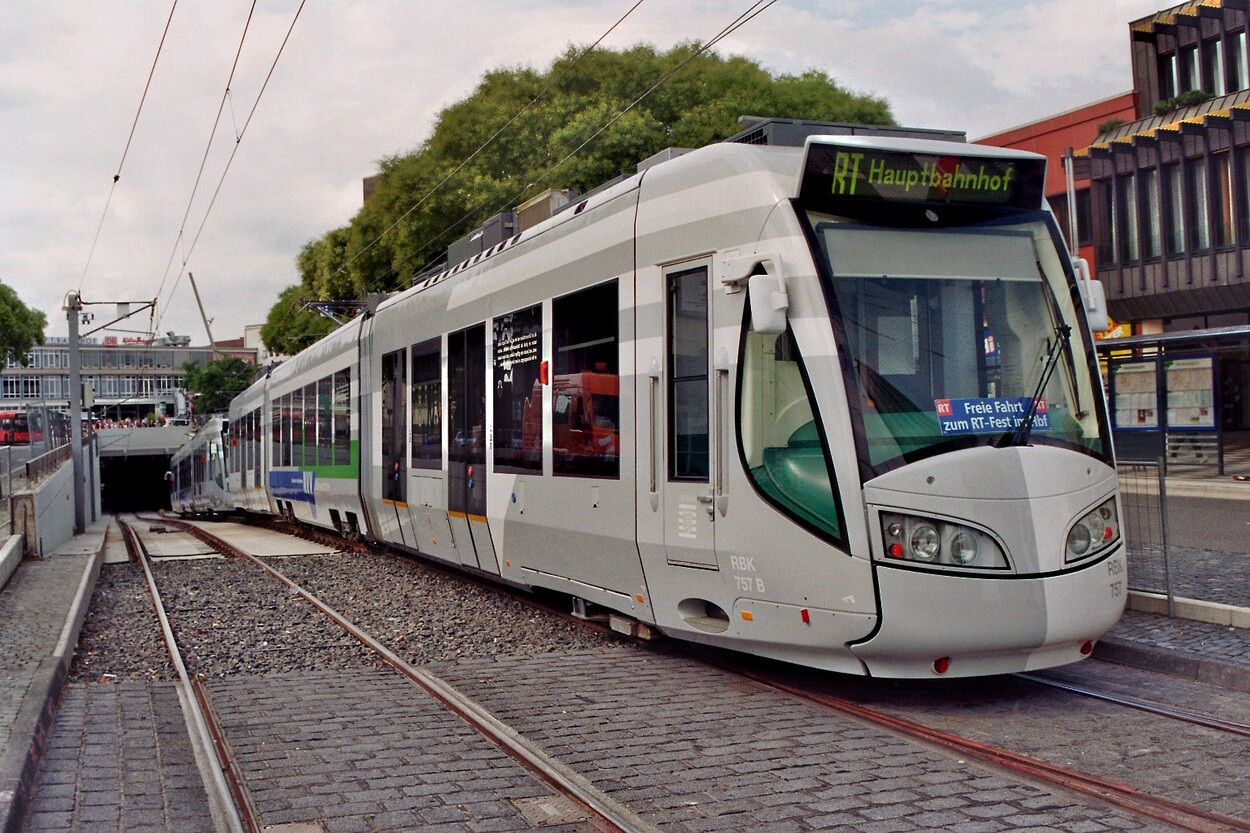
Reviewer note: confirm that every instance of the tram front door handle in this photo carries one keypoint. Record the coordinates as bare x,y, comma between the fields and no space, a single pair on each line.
709,505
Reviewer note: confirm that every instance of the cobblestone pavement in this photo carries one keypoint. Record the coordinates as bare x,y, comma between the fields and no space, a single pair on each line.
367,750
1199,639
119,759
1210,575
1151,753
692,749
32,613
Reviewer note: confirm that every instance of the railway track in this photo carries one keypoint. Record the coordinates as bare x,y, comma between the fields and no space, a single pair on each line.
1206,721
1138,802
1180,815
602,812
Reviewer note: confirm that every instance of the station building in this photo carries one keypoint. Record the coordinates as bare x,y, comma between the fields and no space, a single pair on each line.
130,377
1162,178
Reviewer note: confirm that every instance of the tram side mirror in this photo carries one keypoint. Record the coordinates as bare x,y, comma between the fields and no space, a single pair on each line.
769,303
1093,297
766,290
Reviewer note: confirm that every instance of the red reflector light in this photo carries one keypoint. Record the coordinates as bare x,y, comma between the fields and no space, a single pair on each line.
1087,649
807,617
896,550
941,664
1107,533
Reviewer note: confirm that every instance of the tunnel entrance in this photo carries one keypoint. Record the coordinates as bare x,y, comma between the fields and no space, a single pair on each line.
134,484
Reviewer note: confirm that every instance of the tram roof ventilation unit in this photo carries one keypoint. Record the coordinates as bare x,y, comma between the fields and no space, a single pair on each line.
794,132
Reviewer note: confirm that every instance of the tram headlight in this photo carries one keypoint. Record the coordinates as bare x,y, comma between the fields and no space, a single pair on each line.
1094,532
963,548
925,543
940,543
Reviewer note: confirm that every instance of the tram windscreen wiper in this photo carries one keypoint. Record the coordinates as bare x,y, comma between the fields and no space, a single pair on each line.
1020,436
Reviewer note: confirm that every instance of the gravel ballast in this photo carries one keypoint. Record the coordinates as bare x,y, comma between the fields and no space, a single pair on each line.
230,617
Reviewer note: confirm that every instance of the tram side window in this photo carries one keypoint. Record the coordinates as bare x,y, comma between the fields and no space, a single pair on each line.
253,444
287,416
518,391
275,431
688,375
785,451
216,463
427,398
257,445
243,463
312,421
394,386
325,418
342,417
585,382
297,427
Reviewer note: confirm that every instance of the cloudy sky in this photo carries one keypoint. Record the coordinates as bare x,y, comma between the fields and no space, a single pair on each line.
361,80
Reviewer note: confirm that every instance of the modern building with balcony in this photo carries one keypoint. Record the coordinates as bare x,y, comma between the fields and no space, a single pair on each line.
1171,226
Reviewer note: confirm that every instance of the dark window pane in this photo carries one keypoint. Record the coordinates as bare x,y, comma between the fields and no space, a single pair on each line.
394,387
688,375
342,417
427,397
325,421
518,392
585,385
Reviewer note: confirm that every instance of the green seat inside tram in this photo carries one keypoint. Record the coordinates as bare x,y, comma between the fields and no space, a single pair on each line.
796,475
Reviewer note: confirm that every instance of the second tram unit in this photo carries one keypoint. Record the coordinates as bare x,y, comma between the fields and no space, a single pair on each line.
198,469
835,404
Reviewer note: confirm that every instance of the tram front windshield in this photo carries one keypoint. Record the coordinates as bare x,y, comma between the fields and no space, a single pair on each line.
951,331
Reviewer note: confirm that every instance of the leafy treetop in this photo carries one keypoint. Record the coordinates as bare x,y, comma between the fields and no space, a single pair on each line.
217,382
21,328
461,176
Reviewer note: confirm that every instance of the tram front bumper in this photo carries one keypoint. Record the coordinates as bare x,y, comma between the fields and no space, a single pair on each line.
936,624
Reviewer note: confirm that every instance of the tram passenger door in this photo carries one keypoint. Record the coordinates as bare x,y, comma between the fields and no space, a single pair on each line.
394,445
466,475
691,468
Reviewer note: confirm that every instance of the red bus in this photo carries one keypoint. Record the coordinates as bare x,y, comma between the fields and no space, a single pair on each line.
15,429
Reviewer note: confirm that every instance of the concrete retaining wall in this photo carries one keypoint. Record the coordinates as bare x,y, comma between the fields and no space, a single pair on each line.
10,556
44,516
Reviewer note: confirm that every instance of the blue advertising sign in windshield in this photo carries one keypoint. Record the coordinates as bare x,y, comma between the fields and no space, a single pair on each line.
990,415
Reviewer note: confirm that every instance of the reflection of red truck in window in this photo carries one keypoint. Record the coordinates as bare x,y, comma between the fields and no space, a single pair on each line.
586,415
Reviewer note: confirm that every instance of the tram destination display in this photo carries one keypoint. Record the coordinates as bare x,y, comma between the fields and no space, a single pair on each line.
836,174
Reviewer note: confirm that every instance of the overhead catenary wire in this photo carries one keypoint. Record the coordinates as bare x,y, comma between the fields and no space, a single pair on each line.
238,141
751,13
755,9
212,135
126,150
525,108
491,140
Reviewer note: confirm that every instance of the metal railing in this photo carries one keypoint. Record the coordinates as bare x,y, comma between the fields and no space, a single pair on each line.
44,464
1143,498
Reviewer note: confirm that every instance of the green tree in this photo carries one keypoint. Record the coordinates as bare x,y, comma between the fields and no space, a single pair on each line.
562,128
290,327
21,328
217,382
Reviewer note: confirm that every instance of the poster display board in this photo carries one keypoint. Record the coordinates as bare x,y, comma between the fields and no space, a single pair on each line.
1136,395
1190,385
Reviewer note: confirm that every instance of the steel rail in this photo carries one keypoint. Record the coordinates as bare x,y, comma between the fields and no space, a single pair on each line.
1198,719
1179,815
1157,808
605,813
233,800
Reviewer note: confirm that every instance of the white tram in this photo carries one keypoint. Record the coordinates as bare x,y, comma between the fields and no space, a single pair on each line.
198,485
835,404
